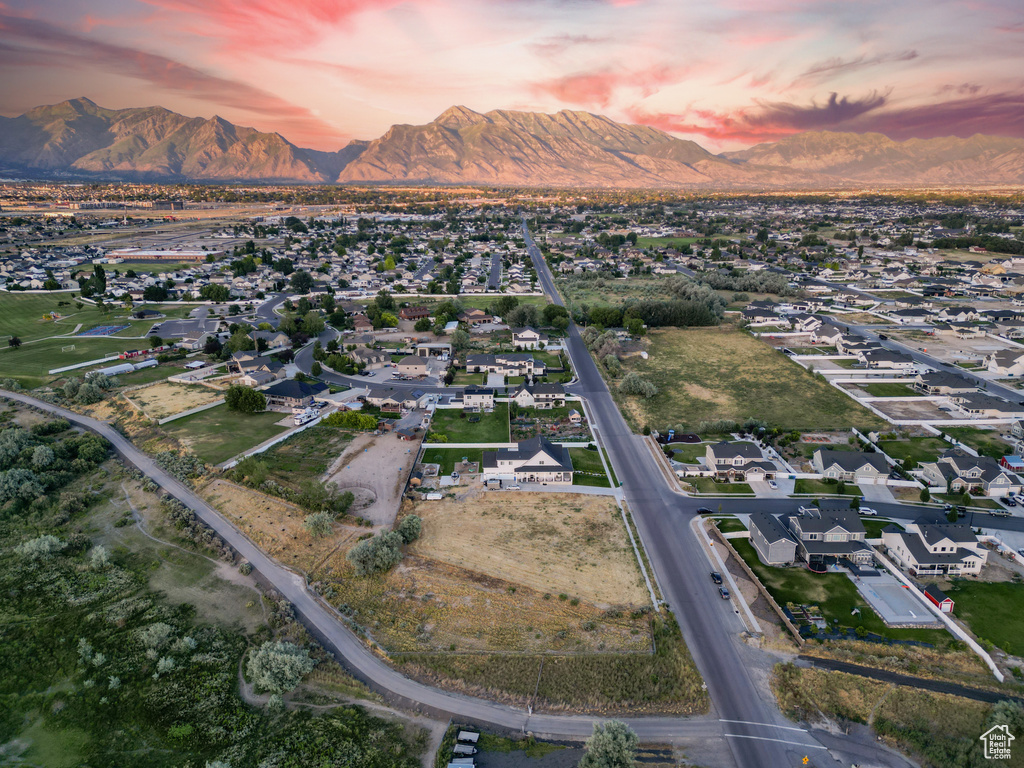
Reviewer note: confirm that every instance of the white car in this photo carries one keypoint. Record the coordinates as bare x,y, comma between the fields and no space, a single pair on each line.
773,485
869,511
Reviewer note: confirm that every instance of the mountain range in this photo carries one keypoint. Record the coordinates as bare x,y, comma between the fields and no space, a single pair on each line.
79,139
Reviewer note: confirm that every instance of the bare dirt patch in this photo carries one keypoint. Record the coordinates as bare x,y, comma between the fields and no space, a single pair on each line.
911,410
167,398
379,464
275,525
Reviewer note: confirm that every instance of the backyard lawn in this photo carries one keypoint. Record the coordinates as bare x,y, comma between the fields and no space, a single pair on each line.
449,457
889,389
491,428
688,453
218,434
464,378
833,593
589,462
705,374
730,525
916,449
994,611
985,442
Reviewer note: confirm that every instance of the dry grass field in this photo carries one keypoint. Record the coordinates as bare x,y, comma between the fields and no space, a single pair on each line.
704,374
167,398
275,525
550,542
529,574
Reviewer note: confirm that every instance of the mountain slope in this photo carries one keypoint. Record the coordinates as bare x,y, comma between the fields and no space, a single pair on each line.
79,136
528,148
569,148
874,158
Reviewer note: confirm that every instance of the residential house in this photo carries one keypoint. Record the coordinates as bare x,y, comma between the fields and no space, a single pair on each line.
249,362
274,340
827,534
772,541
883,358
528,338
1006,362
539,395
293,395
474,316
413,313
412,365
933,549
978,405
361,324
371,358
851,466
956,472
942,383
739,462
826,334
509,364
477,398
532,461
805,323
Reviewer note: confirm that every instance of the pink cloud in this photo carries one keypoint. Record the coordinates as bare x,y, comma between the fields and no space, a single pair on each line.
36,43
595,89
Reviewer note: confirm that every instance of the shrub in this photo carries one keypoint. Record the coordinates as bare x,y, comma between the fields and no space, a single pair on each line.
245,399
381,553
278,666
410,528
319,524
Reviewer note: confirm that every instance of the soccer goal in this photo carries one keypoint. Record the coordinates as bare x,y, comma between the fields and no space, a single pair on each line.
68,348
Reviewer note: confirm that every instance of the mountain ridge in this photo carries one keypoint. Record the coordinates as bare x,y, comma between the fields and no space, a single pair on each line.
79,138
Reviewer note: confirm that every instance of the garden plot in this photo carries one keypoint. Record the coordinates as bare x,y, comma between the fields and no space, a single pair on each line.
167,398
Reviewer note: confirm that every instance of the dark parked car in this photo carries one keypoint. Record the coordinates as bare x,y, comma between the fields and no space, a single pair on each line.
883,337
1008,501
704,510
716,577
724,593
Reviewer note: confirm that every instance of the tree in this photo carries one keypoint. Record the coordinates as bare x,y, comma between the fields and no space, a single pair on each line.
212,346
154,293
313,324
634,384
612,745
410,528
422,325
14,342
523,316
504,305
460,340
316,369
240,341
925,495
388,320
301,281
214,292
245,399
155,341
385,301
278,666
635,326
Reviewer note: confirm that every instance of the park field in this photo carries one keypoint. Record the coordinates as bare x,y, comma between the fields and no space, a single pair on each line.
704,374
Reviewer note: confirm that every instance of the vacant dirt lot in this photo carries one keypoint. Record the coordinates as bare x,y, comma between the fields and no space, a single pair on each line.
551,542
167,398
276,525
379,464
912,410
530,574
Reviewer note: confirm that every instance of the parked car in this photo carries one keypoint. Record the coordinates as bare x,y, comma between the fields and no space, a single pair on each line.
1008,501
724,593
869,511
704,510
716,577
882,337
773,485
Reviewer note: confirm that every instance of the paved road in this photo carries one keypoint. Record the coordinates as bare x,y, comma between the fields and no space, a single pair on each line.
265,311
494,276
758,733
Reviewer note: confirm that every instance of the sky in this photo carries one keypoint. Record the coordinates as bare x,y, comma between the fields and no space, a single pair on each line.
727,74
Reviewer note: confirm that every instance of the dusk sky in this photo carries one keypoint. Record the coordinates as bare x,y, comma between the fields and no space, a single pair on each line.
726,74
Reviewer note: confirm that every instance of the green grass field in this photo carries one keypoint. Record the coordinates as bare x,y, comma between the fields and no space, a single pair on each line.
584,460
666,242
449,457
917,449
21,315
688,453
465,378
804,485
217,434
833,593
730,525
492,428
993,611
985,442
30,363
707,485
889,390
723,373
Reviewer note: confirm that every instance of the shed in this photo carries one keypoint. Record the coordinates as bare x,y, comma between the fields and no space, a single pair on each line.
939,598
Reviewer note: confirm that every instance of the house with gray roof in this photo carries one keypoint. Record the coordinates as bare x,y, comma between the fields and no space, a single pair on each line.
772,541
851,466
935,549
943,383
956,472
826,535
532,461
738,462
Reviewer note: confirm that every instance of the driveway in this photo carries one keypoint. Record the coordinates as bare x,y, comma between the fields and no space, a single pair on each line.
877,493
764,491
